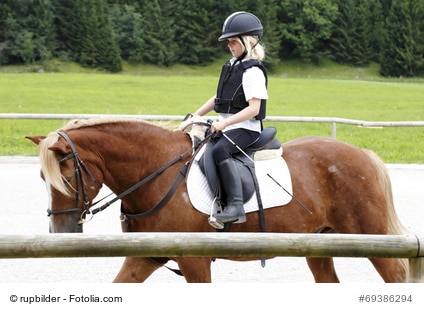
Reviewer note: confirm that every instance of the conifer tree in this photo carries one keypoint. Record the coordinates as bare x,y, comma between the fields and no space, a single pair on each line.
193,33
160,44
306,25
344,42
128,27
106,46
376,31
28,31
86,34
403,53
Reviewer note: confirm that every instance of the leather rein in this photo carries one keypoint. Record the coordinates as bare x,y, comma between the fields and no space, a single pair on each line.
80,167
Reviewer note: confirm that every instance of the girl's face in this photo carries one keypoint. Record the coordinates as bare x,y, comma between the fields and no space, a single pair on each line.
235,47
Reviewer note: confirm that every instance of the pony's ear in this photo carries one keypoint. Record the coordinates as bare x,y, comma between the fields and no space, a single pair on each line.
35,139
61,147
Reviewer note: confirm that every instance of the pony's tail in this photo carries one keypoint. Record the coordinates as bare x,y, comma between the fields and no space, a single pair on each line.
395,227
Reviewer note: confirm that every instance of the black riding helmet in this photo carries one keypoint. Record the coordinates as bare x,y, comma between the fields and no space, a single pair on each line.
241,23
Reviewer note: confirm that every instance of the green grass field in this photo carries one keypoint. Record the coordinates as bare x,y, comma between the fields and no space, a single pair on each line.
296,89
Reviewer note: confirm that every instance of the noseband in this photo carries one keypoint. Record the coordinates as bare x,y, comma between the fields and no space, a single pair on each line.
80,190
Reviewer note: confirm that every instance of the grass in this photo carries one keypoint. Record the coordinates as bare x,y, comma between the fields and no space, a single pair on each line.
295,89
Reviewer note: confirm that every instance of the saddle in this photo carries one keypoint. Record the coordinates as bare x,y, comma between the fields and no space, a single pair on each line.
245,166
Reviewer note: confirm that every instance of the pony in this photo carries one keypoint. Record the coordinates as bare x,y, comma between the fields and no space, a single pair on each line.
346,189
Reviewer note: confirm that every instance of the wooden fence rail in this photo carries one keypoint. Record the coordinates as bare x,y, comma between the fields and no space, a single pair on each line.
218,245
333,121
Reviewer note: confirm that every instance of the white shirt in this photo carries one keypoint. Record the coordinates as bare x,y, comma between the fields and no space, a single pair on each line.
254,86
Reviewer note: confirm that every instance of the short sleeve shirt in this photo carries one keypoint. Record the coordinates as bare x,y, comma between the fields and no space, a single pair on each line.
254,84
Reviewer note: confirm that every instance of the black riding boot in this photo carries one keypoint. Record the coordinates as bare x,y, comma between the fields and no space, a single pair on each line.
231,183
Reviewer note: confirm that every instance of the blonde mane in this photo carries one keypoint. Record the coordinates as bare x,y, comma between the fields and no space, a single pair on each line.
80,123
50,165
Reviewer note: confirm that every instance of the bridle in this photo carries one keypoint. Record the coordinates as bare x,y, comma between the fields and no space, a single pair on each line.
80,168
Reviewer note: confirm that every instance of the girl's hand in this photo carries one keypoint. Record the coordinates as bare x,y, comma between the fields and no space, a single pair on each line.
218,126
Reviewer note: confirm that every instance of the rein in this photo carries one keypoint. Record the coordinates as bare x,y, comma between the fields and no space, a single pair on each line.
145,180
80,167
172,189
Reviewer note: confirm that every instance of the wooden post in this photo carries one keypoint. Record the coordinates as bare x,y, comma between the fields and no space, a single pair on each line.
416,265
416,270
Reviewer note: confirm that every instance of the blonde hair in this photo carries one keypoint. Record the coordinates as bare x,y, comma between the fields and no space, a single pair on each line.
254,49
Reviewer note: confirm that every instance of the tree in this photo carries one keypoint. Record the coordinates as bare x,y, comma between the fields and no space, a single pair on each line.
193,33
403,53
5,11
306,25
100,33
358,33
128,26
106,44
160,45
86,34
29,33
376,32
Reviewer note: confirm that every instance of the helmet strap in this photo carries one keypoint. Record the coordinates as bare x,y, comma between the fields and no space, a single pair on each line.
243,55
258,40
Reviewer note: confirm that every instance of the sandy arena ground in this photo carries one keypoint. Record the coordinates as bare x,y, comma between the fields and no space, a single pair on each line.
23,202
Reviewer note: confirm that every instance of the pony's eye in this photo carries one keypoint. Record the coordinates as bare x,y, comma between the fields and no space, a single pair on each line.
67,179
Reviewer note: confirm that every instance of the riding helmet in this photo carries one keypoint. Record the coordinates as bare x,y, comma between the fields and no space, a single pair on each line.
241,23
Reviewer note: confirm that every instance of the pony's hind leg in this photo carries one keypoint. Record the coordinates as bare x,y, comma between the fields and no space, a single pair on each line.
196,270
136,270
392,270
323,270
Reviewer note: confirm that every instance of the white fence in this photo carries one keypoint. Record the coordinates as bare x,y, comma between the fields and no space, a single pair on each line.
331,120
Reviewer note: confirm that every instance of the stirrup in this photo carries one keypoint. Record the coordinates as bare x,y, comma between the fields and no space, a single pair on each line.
212,220
215,223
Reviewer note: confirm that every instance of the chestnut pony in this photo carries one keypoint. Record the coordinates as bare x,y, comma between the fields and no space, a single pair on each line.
347,189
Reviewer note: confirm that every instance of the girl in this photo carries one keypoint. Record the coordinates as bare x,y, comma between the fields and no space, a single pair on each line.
240,103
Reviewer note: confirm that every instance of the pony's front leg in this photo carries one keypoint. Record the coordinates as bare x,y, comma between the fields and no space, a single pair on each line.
195,270
135,270
323,270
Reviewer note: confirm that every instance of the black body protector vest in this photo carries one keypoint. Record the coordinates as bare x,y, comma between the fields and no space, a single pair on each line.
230,96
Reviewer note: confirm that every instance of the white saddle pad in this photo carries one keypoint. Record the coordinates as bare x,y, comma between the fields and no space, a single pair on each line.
272,193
